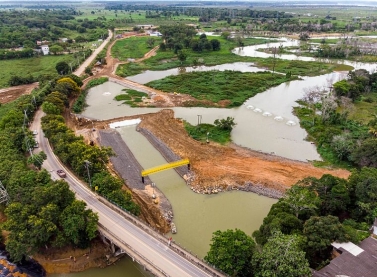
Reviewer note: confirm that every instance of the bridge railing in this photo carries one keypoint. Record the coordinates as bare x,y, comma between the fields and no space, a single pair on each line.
162,238
144,261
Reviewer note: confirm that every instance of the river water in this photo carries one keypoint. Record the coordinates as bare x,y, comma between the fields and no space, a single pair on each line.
264,122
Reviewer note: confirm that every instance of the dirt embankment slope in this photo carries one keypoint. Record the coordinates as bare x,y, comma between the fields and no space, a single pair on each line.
224,166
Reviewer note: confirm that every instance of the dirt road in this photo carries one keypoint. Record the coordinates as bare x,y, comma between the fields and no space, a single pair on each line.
79,71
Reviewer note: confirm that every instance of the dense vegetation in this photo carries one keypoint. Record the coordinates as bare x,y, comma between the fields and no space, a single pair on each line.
167,58
336,125
131,97
22,32
217,132
300,227
316,212
224,88
23,28
178,37
41,212
73,151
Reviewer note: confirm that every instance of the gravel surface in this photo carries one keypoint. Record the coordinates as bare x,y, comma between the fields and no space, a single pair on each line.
129,168
164,150
124,162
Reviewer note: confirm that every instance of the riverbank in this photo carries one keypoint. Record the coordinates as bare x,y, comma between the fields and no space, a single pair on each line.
226,167
68,259
156,212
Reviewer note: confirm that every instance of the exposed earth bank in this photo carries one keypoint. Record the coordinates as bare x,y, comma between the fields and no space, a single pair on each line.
215,165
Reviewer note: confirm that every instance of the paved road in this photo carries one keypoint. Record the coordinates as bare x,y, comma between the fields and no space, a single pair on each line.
154,250
87,62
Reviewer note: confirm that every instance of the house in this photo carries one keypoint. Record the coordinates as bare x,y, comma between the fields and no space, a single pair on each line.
155,34
41,42
145,26
45,49
352,260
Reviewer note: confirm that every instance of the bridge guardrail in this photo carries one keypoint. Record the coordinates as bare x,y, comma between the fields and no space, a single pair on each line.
162,238
148,262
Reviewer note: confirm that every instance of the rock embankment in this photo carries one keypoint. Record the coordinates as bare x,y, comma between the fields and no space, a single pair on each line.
189,176
129,170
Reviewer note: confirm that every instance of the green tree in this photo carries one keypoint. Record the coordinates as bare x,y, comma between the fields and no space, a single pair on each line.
58,99
333,192
320,232
366,153
182,56
225,35
283,222
88,70
301,199
231,251
37,159
225,124
364,186
281,256
62,68
56,49
215,44
68,87
50,108
79,224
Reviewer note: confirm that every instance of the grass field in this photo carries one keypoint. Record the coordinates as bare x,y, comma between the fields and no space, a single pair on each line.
138,17
167,59
234,87
203,131
364,109
134,47
33,66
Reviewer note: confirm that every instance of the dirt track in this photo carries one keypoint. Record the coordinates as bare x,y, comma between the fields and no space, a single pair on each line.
12,93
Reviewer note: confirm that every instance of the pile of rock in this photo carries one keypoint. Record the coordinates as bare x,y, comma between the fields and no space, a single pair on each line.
168,216
250,187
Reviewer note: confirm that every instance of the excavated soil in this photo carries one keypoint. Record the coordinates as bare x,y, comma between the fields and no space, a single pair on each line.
12,93
226,166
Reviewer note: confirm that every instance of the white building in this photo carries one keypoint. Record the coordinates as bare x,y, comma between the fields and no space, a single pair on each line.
45,49
155,34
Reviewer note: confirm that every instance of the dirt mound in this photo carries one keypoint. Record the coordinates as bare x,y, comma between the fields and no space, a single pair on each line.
224,166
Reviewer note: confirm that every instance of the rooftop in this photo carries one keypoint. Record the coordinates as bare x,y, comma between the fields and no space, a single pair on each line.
348,246
359,261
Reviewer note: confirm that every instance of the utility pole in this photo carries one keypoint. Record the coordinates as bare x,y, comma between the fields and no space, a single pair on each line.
199,119
87,163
